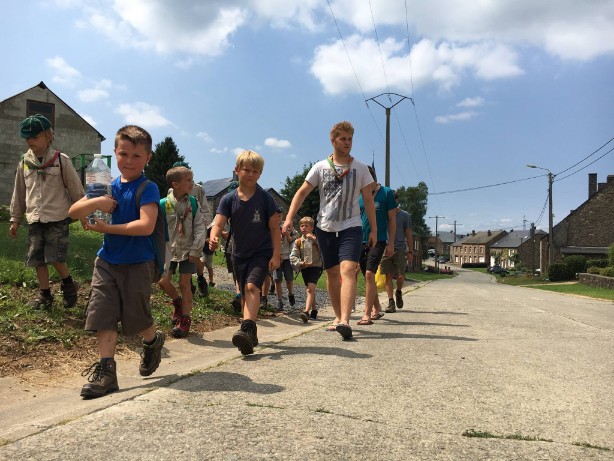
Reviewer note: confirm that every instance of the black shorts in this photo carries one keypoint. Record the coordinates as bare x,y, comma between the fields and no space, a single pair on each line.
371,257
311,274
253,270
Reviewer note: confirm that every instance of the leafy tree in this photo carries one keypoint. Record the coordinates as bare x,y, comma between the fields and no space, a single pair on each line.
414,200
165,154
311,205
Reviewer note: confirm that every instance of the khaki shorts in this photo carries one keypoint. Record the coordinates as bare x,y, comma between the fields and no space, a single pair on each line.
208,260
394,265
47,243
120,294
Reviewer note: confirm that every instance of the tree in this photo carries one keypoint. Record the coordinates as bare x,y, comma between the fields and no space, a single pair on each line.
311,205
414,200
165,154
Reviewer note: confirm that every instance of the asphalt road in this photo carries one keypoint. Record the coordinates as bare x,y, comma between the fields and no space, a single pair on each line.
532,371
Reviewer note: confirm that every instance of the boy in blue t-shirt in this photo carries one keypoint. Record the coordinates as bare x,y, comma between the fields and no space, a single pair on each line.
256,251
124,269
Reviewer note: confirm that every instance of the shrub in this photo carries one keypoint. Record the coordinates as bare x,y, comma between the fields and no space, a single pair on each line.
597,263
611,256
607,271
575,263
558,272
594,270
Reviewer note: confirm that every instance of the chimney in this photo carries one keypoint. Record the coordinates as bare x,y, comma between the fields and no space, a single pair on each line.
472,232
610,177
489,233
592,184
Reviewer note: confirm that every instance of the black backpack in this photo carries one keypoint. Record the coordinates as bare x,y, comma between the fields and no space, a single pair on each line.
159,236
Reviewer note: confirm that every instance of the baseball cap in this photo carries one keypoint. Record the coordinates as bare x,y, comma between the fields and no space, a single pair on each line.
33,125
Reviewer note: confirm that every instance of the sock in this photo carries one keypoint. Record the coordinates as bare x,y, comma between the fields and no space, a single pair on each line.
104,360
67,281
149,343
46,291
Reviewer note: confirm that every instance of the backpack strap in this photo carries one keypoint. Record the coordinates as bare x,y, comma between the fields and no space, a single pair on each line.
139,192
194,205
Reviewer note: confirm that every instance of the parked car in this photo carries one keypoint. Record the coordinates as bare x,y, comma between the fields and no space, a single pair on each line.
497,269
442,259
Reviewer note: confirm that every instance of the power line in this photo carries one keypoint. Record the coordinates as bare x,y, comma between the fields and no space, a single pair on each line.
485,187
585,166
588,156
379,48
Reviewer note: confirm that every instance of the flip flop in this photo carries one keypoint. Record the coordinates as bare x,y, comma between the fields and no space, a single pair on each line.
365,322
378,316
344,330
332,327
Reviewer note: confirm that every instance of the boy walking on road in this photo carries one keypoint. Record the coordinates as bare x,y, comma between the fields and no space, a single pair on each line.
256,246
340,179
124,269
46,185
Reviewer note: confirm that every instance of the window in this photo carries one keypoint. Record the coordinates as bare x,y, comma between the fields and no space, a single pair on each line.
43,108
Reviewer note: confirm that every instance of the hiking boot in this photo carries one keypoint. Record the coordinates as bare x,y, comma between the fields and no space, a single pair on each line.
102,379
280,305
305,316
151,355
236,304
314,314
42,301
70,292
291,300
246,338
182,328
177,312
203,288
391,306
399,296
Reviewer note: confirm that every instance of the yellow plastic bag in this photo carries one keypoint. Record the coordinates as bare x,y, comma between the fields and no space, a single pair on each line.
380,280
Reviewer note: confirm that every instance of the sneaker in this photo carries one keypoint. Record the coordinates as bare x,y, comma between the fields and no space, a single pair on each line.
211,283
151,355
305,316
291,300
42,301
70,293
280,305
203,288
182,329
177,312
246,338
314,314
391,306
399,296
344,330
236,304
102,379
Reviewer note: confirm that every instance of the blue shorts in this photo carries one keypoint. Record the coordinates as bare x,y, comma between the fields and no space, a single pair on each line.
339,246
254,269
371,257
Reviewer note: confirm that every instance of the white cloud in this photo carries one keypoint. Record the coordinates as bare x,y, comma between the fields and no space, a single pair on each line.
204,136
99,91
218,150
277,143
89,119
471,102
64,73
460,117
143,114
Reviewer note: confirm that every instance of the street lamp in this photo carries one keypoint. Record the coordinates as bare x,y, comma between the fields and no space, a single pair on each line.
550,215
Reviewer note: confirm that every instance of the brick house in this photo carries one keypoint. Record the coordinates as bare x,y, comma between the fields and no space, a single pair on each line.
475,248
588,230
73,134
526,248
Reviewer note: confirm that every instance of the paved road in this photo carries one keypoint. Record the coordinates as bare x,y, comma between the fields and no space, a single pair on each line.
465,354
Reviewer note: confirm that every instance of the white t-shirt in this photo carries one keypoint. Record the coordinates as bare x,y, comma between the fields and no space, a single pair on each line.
339,208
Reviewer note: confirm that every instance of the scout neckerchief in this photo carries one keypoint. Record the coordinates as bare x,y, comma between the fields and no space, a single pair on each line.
40,169
181,219
338,175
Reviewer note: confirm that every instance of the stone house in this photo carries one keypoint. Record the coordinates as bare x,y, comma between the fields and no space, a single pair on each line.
526,248
73,134
475,248
588,230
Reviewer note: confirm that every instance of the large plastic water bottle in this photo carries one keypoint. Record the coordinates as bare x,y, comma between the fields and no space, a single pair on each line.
98,183
308,251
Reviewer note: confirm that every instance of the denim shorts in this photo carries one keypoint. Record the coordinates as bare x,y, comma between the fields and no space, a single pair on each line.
339,246
47,243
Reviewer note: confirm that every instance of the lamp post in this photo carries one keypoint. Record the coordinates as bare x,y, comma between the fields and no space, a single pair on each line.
550,215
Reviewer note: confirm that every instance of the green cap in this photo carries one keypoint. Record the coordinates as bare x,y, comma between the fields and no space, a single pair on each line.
33,125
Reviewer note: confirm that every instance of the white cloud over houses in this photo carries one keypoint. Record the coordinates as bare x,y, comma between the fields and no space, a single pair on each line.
99,91
459,117
205,137
471,102
277,143
143,114
64,73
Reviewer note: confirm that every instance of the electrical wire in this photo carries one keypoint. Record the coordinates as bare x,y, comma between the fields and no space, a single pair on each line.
379,48
585,166
585,158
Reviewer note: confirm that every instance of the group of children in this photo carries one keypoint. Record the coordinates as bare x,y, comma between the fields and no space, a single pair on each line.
125,266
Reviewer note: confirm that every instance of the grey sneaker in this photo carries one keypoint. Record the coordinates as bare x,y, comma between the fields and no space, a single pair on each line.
305,316
280,305
399,297
42,301
70,292
102,379
151,355
246,338
391,306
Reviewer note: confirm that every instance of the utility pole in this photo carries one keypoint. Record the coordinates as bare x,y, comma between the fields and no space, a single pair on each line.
455,224
436,218
550,214
374,99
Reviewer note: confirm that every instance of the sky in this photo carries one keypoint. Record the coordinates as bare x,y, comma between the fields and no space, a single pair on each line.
475,90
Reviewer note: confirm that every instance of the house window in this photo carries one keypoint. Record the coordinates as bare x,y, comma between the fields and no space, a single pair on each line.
43,108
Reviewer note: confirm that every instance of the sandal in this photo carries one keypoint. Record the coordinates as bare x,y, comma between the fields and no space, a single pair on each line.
332,327
365,322
377,316
344,330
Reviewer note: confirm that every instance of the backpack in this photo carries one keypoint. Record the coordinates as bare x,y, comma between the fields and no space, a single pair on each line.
159,236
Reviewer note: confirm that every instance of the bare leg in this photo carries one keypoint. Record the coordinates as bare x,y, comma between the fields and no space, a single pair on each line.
186,293
251,300
333,284
107,340
42,274
348,290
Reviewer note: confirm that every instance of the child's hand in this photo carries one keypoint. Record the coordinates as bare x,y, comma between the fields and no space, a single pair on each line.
106,203
98,225
214,243
274,263
13,230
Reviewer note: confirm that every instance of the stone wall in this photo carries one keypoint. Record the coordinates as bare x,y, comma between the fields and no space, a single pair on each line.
597,281
73,135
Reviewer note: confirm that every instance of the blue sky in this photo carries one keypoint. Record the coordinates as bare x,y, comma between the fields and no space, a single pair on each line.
494,85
